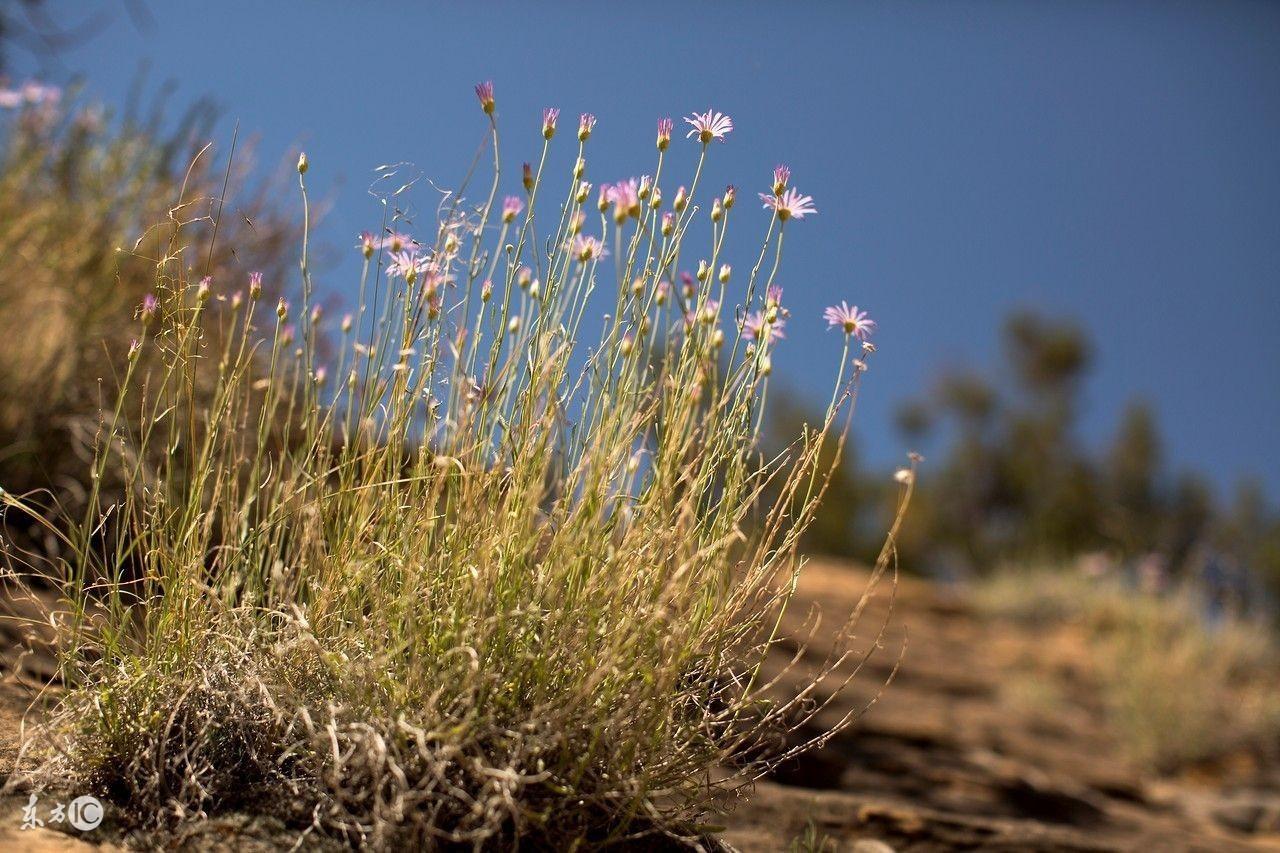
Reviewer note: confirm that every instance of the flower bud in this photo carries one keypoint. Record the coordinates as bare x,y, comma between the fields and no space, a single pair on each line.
346,323
717,211
302,163
584,190
668,223
655,200
486,291
725,270
484,92
664,133
282,308
730,194
514,326
682,200
579,168
527,172
781,174
147,312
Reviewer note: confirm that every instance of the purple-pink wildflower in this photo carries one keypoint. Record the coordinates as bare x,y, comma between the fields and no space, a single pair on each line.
625,196
781,174
511,207
849,318
484,92
665,126
147,311
587,248
550,115
407,265
756,328
773,299
586,124
708,126
789,204
397,242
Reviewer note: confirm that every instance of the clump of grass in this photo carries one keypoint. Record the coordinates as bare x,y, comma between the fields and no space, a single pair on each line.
78,185
482,579
1177,690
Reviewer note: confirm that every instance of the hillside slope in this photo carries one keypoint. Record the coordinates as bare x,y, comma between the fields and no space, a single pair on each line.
990,737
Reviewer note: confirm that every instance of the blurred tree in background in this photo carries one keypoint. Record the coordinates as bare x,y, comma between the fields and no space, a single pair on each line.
1009,482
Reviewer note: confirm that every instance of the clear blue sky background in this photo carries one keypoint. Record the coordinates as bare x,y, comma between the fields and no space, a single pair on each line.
1118,163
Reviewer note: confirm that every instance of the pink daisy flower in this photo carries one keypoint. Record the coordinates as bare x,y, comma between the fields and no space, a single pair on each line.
849,318
397,242
625,196
773,299
511,207
756,328
586,248
407,265
789,204
708,126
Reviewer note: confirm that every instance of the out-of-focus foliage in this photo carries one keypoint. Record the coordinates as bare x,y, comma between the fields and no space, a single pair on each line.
80,194
1007,480
1177,690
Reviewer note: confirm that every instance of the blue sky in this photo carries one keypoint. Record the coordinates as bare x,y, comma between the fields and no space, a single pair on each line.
1116,163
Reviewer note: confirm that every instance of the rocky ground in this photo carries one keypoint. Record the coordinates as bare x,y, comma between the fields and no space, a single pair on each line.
990,737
